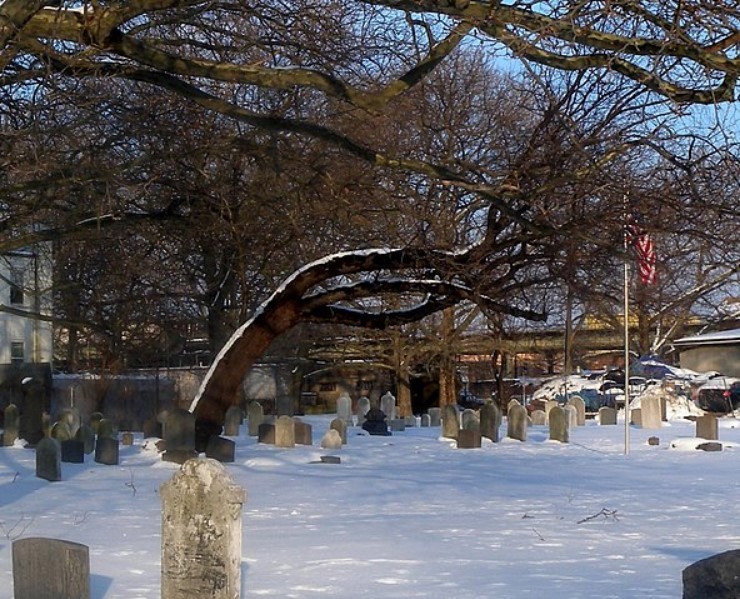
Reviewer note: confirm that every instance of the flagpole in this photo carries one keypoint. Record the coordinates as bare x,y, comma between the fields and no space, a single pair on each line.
626,334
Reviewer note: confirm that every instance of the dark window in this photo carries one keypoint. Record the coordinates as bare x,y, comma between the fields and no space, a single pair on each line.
16,286
17,353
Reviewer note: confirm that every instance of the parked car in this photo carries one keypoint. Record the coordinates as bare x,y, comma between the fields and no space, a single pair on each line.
718,399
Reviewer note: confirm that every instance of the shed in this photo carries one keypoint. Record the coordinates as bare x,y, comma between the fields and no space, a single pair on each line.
718,351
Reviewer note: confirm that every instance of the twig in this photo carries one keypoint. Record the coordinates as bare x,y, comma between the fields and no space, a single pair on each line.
11,533
537,532
130,484
605,513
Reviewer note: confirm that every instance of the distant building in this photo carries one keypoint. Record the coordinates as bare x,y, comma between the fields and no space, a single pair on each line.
718,351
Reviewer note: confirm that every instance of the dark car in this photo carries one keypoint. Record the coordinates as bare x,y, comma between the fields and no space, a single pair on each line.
718,400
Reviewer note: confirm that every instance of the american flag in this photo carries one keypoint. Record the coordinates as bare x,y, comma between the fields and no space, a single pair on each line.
642,244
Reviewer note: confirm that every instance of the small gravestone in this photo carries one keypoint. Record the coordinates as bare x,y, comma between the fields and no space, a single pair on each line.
255,417
410,421
71,417
636,417
127,439
653,441
490,421
330,459
106,451
50,569
650,410
580,406
375,422
340,426
95,419
331,440
284,432
559,424
31,421
201,533
450,422
232,420
363,407
106,428
87,436
716,577
388,405
179,436
707,427
49,459
72,451
266,433
435,416
344,408
398,425
539,418
426,420
710,446
220,449
468,439
11,425
516,422
303,433
470,420
61,432
607,416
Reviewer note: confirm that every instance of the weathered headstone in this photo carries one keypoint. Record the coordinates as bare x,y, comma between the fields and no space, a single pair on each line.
571,415
715,577
266,433
490,421
179,436
549,405
107,451
61,432
50,569
11,425
303,433
255,417
411,421
636,416
435,416
450,422
340,426
284,432
559,424
201,533
363,407
577,402
654,441
127,439
398,425
72,451
539,418
95,419
344,408
607,416
426,420
468,439
220,449
331,440
516,422
651,416
707,428
49,459
388,405
710,446
106,428
70,416
232,420
31,425
87,436
470,420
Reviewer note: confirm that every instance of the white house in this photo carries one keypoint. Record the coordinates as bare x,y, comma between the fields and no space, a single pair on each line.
25,292
718,351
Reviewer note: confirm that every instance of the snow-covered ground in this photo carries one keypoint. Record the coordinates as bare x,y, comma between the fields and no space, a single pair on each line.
411,515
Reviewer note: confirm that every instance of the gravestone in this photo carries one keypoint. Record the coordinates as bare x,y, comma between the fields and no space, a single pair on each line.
650,408
340,426
106,428
95,419
266,433
11,425
388,405
715,577
435,416
571,415
710,446
398,425
331,440
344,408
516,422
106,451
70,416
577,402
559,424
284,405
72,451
512,402
87,436
375,422
179,436
201,533
127,439
539,418
468,439
707,428
232,420
284,432
50,569
411,421
31,421
426,420
470,420
61,432
490,421
607,416
255,417
549,405
363,407
636,417
450,422
303,433
49,459
220,449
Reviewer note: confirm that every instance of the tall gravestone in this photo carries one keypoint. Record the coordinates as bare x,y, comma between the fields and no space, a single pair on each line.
32,412
388,405
232,419
50,569
516,422
707,428
450,422
49,459
490,421
201,533
284,432
426,420
11,425
363,407
607,416
559,424
179,436
435,416
344,408
255,417
651,413
580,406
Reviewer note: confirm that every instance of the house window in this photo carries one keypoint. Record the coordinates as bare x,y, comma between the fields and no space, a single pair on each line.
16,286
17,352
327,387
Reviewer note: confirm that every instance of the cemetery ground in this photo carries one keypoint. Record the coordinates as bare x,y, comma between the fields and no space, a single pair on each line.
411,515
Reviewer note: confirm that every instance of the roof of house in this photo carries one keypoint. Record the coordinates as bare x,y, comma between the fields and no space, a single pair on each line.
729,337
